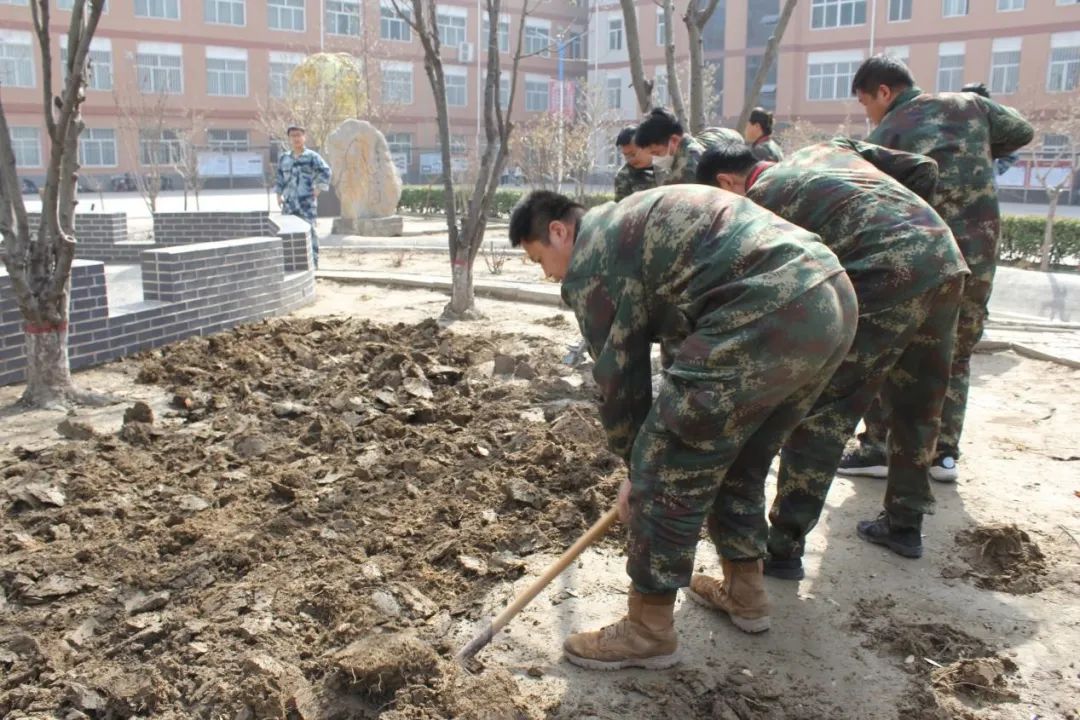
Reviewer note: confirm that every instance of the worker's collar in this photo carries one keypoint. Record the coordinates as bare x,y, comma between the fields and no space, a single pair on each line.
762,140
756,173
905,97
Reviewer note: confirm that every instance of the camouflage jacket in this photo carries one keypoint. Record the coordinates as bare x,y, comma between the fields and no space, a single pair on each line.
716,136
297,179
684,167
891,242
630,180
671,262
964,132
765,148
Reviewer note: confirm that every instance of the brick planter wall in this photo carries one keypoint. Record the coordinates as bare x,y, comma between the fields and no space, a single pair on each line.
103,237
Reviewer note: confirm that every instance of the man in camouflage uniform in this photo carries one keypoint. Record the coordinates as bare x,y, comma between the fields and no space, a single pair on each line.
758,133
908,275
964,133
756,314
301,175
675,153
637,172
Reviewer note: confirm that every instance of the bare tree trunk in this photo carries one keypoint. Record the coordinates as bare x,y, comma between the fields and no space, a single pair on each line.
1052,196
643,87
673,84
696,18
767,60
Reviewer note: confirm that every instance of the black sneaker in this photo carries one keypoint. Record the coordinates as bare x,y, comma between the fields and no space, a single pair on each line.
944,469
905,541
864,462
784,568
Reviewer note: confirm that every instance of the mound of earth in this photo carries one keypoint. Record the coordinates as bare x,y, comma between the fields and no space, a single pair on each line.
296,540
1001,557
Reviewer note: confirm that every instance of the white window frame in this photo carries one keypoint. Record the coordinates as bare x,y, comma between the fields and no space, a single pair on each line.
146,50
821,9
901,5
231,6
1005,76
98,138
230,79
349,13
390,24
537,37
955,8
503,33
951,50
100,74
613,86
660,30
400,68
25,141
1067,68
663,92
615,34
17,48
275,78
460,76
150,5
531,94
168,141
1011,5
843,65
278,10
228,143
453,25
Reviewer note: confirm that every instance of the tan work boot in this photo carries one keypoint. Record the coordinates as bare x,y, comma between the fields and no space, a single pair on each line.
645,638
741,594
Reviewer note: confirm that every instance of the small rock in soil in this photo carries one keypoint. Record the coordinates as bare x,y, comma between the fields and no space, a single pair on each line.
504,364
386,604
139,412
142,602
191,503
75,430
37,494
289,409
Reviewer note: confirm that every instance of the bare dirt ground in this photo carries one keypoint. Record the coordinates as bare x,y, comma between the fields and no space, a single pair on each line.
508,268
324,508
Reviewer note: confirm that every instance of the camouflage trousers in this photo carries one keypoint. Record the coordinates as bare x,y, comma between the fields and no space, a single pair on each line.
727,404
969,330
905,353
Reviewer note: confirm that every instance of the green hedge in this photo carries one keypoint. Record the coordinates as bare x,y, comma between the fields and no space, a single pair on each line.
1022,237
428,200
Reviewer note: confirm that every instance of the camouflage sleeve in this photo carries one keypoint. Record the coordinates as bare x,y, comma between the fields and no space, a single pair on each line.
279,179
916,172
613,322
1009,131
623,184
689,172
322,174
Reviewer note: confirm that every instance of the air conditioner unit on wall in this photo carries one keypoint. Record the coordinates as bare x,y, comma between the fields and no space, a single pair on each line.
465,52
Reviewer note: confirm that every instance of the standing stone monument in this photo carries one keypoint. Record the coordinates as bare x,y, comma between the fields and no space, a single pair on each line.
365,179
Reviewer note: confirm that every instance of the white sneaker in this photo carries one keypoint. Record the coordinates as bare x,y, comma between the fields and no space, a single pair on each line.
944,469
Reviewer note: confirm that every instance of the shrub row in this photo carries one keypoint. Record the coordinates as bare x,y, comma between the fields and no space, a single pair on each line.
1022,237
428,200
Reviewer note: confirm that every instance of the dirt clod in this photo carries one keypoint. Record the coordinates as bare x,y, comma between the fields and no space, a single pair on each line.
1002,557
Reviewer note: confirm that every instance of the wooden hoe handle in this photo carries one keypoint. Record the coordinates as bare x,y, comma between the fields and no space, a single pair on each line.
492,626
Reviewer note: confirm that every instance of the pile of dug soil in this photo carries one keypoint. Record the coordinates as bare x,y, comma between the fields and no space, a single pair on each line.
328,499
1001,557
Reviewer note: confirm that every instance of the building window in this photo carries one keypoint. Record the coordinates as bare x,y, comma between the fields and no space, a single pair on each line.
837,13
26,142
400,147
99,72
164,9
159,148
614,34
397,83
160,73
1005,66
954,8
16,60
504,92
950,74
899,10
226,76
504,33
224,12
537,39
1010,5
343,17
281,68
20,3
97,147
457,88
451,26
661,30
830,75
285,15
536,94
1068,2
1064,71
614,93
391,25
576,48
227,140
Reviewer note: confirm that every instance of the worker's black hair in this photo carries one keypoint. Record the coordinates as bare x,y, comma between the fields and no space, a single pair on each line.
734,158
887,70
762,118
978,88
295,127
530,219
657,128
625,136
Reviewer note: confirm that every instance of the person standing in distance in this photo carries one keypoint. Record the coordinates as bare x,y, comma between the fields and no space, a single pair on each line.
759,134
301,175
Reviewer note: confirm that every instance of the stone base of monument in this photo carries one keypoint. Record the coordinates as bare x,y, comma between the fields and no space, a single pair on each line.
389,226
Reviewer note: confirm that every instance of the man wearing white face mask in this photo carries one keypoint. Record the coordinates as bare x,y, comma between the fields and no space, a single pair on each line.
675,153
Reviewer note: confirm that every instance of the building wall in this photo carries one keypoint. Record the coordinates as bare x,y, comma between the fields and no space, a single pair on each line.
124,31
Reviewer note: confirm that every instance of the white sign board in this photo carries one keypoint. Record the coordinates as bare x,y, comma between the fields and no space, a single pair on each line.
214,164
